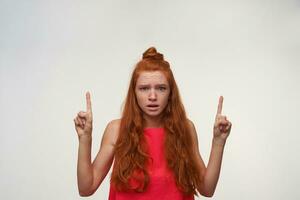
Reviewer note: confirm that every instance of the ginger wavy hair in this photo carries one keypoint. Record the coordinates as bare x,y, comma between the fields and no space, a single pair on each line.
131,155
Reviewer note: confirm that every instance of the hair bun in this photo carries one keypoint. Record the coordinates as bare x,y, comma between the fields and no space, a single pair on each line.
151,53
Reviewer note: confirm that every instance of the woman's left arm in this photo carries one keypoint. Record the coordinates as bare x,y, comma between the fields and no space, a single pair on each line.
211,173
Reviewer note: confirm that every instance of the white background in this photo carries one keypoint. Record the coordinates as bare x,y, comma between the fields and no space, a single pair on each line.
52,52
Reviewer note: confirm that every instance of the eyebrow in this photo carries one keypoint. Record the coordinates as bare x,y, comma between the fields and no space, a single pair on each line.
144,85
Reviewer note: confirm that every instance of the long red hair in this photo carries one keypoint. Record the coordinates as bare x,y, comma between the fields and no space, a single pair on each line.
131,149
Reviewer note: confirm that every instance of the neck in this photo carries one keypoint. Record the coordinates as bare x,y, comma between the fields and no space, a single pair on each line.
153,121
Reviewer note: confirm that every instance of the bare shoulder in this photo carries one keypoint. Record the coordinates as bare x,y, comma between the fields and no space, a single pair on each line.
114,124
191,125
193,132
112,130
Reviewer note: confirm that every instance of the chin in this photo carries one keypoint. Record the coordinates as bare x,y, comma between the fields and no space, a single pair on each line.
153,114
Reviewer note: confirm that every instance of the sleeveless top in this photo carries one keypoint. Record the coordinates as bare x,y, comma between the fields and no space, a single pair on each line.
162,184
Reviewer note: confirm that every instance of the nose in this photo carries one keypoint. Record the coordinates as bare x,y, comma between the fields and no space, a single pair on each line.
152,95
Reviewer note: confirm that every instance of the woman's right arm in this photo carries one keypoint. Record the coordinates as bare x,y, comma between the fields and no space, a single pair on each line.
90,175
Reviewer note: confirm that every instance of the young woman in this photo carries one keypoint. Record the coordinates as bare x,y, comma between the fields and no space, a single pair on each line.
154,145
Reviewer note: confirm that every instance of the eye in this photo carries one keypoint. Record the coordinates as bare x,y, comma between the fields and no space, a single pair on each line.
143,88
162,88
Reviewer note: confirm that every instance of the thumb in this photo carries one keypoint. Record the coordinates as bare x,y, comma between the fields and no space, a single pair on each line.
82,114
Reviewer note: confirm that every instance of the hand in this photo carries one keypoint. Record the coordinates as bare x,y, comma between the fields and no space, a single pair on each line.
84,120
222,126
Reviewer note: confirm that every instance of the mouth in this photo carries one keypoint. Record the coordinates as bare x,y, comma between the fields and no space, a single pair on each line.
152,107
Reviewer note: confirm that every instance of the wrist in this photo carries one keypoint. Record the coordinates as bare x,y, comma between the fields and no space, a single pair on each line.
85,138
219,142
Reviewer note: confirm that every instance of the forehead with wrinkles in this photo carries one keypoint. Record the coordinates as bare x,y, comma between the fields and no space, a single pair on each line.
155,77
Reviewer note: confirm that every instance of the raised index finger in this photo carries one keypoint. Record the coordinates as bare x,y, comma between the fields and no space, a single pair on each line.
88,102
220,105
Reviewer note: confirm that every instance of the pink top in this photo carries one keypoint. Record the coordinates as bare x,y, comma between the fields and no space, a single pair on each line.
162,183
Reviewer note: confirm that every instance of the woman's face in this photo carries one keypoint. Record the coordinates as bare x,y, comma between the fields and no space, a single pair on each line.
152,92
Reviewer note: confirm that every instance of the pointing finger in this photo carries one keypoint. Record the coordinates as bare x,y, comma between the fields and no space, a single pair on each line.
88,102
220,105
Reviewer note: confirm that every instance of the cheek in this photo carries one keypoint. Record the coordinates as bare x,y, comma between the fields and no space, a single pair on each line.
165,100
139,98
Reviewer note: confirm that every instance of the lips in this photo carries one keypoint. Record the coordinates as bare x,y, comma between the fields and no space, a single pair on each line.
152,105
